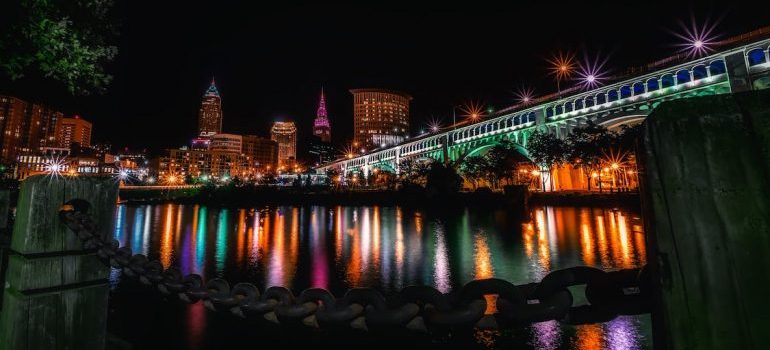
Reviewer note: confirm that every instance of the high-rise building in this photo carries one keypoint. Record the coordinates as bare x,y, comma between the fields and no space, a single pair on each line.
380,117
321,152
210,114
321,127
74,130
285,133
25,127
226,143
263,152
320,143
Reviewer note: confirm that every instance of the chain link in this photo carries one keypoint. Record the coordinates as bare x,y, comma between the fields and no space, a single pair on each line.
421,308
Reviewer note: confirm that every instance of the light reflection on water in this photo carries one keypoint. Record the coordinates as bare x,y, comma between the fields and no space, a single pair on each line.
389,248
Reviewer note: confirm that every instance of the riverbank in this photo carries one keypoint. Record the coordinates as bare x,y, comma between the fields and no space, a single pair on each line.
586,198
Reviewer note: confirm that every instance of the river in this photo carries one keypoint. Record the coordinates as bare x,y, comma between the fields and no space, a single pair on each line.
388,248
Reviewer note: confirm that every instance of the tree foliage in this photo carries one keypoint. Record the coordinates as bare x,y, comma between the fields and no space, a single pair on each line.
503,161
474,169
65,41
442,179
414,172
547,151
587,147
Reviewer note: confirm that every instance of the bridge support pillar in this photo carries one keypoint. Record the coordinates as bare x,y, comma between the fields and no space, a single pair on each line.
707,214
56,292
737,72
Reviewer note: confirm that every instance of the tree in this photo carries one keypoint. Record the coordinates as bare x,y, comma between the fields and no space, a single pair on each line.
586,147
383,178
546,150
442,179
414,172
268,179
474,169
502,162
64,41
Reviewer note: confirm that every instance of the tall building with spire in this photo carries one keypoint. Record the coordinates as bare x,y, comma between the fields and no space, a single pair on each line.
321,127
210,115
321,150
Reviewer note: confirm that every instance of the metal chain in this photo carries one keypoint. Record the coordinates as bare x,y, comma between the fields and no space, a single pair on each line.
421,308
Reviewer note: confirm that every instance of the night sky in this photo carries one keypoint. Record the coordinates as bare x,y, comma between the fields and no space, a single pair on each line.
270,63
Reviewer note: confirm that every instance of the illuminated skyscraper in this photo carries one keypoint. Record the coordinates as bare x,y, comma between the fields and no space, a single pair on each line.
321,127
380,117
285,133
25,127
210,115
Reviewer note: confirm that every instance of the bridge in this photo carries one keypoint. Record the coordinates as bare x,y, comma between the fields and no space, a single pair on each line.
745,66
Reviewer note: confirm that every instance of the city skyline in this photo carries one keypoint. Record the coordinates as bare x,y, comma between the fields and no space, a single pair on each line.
274,82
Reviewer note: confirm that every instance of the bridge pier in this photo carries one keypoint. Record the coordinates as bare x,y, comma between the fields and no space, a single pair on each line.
706,182
55,291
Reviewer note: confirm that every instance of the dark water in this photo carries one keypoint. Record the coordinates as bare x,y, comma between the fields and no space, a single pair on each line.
384,247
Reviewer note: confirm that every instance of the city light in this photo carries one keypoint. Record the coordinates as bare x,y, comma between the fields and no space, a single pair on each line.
434,125
54,166
473,110
562,65
592,72
696,40
524,95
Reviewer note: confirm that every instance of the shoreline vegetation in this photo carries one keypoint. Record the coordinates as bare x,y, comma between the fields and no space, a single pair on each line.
515,197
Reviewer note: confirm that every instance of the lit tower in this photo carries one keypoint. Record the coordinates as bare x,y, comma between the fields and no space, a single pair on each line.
210,115
321,127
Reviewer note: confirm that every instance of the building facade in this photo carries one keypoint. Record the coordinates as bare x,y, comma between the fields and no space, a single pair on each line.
321,152
74,130
25,127
380,117
285,134
179,165
210,114
226,143
263,152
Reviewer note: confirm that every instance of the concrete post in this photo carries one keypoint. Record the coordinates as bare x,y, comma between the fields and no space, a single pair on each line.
706,182
56,292
5,237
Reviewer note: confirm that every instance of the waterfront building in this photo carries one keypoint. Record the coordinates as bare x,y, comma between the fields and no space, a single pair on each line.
263,152
200,144
62,161
210,114
380,117
25,127
285,134
74,130
179,165
226,143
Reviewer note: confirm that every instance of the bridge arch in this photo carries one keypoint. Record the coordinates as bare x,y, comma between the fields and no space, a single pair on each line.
482,149
617,120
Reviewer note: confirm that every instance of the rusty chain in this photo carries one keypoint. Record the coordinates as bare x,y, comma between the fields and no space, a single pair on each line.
421,308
